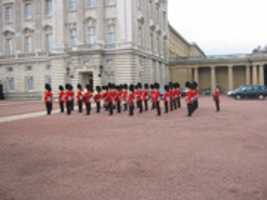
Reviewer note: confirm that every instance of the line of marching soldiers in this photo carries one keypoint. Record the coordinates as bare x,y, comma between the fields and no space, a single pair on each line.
124,98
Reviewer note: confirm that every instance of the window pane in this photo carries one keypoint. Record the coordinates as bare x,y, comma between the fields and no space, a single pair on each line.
91,3
72,5
49,8
28,11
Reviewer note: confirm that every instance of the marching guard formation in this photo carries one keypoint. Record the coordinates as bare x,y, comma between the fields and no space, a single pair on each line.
113,98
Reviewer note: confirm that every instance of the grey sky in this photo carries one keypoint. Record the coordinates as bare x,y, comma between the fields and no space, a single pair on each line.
221,26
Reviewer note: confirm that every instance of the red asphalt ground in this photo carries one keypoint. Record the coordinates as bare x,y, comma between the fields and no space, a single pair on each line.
211,156
10,108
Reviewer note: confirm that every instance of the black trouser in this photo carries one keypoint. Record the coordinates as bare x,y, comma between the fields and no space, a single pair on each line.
166,105
140,106
69,107
80,105
153,106
175,103
217,103
171,104
131,109
88,108
190,109
157,106
178,99
110,108
72,105
98,107
146,105
125,107
61,105
49,107
119,106
195,105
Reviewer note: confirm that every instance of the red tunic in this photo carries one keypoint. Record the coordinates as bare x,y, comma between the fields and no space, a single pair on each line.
155,94
166,97
79,95
87,96
124,95
48,96
138,95
144,95
69,95
97,97
61,96
109,96
131,98
190,96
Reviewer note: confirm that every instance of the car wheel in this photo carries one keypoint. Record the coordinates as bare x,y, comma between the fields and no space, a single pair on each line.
238,97
261,97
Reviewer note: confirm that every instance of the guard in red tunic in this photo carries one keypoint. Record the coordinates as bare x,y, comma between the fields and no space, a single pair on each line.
104,95
155,96
166,98
69,98
125,97
79,98
216,97
138,96
48,99
172,96
110,99
178,95
145,96
152,87
131,100
195,95
189,98
61,98
97,99
87,98
118,97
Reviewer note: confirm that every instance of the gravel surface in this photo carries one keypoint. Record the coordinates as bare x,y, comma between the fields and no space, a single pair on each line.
211,156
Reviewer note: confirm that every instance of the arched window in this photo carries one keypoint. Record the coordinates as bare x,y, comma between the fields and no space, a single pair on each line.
28,44
72,4
48,7
111,33
9,43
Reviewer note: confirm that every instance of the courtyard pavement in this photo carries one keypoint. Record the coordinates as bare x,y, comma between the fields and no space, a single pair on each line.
211,156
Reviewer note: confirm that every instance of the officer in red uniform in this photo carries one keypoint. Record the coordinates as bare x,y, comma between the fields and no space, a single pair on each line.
125,97
69,98
216,97
172,96
110,99
48,99
152,87
189,98
79,98
195,95
146,96
104,95
138,95
61,98
131,100
155,96
87,96
97,99
166,98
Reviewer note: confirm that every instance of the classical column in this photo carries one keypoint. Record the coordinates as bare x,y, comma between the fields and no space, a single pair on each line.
261,75
196,76
230,78
213,78
254,74
247,74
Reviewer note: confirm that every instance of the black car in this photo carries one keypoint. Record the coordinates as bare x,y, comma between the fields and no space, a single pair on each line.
249,92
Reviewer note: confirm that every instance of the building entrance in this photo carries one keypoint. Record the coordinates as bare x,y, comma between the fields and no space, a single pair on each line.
87,78
265,75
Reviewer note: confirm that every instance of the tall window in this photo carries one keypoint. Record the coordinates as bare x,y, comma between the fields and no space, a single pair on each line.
152,41
28,44
110,2
111,36
28,11
29,83
9,49
72,5
140,34
49,41
10,83
73,37
91,32
91,3
48,7
8,14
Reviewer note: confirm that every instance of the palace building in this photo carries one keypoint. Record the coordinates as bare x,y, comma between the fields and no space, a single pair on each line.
81,41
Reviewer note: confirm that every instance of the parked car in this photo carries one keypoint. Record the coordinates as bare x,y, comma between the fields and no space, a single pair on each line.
249,92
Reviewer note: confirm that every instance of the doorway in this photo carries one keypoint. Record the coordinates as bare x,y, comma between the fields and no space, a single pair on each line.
87,78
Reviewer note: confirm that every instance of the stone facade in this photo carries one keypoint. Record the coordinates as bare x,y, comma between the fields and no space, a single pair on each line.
81,41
